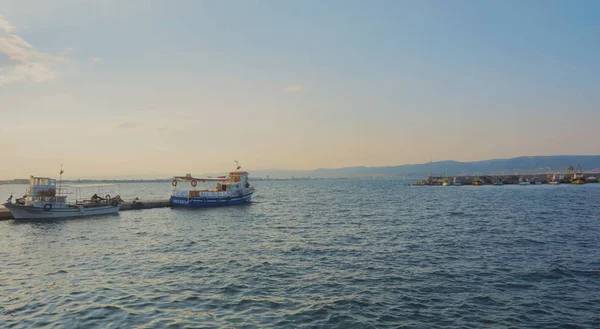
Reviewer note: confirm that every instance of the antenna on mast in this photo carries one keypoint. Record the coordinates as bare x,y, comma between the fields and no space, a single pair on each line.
60,181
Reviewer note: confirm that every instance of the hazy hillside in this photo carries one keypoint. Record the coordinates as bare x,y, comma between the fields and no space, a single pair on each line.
533,164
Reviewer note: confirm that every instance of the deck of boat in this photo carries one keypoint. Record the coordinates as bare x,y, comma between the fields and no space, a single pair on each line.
135,205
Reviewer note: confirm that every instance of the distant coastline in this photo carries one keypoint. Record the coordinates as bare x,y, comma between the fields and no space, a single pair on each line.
514,166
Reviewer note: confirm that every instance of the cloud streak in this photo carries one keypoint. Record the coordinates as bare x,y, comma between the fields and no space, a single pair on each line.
27,63
129,125
294,89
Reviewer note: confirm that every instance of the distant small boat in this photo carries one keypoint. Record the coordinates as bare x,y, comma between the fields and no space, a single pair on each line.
591,179
457,182
555,180
578,177
524,181
446,181
498,181
477,181
536,181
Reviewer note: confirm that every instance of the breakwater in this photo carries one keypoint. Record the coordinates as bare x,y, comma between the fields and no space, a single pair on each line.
130,205
505,179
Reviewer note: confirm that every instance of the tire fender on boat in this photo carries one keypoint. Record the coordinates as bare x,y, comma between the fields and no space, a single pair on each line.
228,199
107,197
204,199
194,183
218,199
190,199
47,207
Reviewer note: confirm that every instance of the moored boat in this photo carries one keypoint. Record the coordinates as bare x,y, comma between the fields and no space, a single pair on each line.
44,201
477,181
578,177
555,180
446,181
233,189
524,181
457,181
498,181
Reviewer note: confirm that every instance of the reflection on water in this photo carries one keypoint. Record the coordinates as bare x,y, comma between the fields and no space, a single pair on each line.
346,254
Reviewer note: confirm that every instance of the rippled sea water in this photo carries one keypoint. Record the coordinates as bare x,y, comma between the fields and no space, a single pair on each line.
335,254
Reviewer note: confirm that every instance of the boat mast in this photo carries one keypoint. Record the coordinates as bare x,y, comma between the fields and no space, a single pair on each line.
60,181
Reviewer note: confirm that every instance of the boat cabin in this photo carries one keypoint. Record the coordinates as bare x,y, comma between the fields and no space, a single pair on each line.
42,190
238,180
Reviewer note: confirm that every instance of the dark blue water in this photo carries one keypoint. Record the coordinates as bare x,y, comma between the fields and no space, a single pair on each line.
336,254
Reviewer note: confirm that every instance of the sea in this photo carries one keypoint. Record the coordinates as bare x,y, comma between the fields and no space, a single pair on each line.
354,253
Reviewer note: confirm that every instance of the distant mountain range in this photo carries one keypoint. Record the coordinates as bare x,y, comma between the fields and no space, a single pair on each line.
520,165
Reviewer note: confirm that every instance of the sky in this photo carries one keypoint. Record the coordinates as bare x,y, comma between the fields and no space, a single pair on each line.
140,89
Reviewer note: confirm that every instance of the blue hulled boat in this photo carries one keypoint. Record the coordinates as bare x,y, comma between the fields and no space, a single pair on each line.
229,190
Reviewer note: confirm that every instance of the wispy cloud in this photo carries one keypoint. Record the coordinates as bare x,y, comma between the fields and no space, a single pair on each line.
96,60
294,89
130,125
27,63
6,26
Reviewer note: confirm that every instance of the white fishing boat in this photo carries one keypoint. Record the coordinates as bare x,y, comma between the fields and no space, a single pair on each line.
555,180
524,181
457,181
44,201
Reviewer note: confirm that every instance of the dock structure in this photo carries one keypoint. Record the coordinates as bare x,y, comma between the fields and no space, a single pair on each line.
130,205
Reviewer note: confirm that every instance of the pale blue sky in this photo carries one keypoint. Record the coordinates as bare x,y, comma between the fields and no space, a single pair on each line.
164,86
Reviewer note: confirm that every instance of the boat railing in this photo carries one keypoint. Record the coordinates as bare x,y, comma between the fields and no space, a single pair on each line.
196,193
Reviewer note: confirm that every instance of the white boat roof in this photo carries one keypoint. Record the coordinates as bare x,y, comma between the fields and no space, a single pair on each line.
93,185
203,179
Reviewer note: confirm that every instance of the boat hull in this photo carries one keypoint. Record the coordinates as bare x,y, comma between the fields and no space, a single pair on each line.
206,202
25,212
